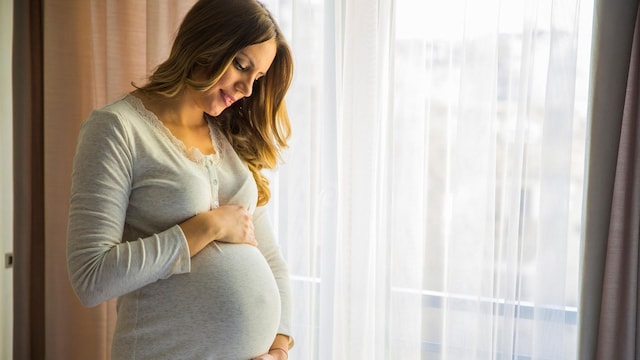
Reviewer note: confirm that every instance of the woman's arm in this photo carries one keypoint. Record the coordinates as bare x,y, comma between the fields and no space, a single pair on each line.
100,265
271,251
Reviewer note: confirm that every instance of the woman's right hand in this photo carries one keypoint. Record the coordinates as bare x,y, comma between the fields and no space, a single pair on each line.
227,223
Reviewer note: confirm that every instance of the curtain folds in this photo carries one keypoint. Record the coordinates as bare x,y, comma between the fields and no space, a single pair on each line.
429,205
604,332
6,179
364,96
619,323
69,58
28,162
617,331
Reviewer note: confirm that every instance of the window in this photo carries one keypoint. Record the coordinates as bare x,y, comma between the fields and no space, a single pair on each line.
430,204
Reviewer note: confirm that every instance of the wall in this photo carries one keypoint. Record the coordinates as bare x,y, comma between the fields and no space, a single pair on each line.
6,180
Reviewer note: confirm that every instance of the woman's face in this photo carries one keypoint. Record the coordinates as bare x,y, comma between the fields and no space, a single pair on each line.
249,65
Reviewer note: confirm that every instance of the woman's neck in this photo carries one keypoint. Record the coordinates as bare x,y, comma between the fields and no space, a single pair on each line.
179,111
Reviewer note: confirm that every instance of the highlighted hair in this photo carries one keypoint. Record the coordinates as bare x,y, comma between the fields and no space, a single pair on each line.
210,36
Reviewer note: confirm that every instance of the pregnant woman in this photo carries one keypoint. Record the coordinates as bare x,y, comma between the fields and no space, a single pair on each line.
167,207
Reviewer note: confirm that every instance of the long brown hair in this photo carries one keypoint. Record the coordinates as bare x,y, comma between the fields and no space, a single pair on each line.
210,36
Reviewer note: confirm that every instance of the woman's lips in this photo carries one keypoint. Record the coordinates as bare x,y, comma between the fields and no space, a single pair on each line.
228,100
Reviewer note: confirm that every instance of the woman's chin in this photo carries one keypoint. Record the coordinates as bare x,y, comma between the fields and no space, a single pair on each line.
215,111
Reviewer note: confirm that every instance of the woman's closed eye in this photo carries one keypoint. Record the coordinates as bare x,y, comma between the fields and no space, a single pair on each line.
239,66
244,68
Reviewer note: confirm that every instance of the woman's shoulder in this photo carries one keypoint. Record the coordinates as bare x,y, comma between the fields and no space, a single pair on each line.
115,119
119,113
123,107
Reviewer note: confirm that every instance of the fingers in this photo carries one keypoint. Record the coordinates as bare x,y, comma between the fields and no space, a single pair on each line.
245,224
238,223
249,234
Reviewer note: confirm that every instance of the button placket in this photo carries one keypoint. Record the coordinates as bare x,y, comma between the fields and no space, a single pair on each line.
213,183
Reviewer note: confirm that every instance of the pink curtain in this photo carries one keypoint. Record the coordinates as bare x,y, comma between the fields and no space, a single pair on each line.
90,53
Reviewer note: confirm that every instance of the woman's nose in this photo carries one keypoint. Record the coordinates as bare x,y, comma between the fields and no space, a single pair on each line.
245,86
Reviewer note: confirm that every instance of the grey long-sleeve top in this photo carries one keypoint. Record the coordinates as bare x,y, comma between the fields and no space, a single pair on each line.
133,182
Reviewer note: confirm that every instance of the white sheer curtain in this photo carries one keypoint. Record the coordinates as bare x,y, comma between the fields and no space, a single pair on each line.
430,204
6,180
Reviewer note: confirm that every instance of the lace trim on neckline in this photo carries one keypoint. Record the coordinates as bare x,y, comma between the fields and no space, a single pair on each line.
193,154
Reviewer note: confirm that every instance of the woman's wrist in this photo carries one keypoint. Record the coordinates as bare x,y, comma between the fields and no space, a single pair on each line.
280,350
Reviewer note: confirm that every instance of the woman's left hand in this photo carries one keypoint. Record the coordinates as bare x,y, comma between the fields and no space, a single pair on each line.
264,357
272,355
279,349
268,357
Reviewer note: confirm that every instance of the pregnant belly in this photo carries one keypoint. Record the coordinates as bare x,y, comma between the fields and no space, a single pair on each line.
227,307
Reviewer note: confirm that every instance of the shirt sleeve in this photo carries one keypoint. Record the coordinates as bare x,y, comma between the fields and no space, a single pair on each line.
271,251
101,266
